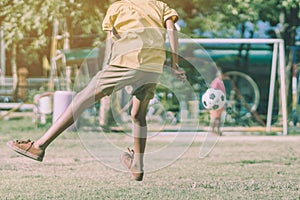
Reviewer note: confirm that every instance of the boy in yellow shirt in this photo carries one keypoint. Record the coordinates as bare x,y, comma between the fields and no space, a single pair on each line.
137,30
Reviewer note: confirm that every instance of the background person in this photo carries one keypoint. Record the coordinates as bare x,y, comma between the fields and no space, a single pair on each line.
216,115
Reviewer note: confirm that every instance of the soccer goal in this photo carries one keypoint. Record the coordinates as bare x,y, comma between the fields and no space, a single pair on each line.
278,62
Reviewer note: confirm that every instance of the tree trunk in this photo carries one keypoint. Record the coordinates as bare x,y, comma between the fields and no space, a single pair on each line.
14,71
291,20
53,54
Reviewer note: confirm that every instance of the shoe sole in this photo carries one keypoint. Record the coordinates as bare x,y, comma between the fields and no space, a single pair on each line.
23,152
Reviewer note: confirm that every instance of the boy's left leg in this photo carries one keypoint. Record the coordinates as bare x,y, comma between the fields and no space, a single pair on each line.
135,159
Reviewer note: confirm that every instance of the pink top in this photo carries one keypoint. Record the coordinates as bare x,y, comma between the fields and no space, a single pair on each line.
218,84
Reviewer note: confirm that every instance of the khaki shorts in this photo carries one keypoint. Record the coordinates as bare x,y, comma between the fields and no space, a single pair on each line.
114,78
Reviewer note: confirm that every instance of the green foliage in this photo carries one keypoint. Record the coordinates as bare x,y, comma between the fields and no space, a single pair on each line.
29,23
32,20
221,16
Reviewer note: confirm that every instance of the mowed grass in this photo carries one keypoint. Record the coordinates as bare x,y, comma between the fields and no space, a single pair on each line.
239,167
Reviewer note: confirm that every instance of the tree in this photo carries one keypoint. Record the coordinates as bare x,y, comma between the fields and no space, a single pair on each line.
28,27
16,20
221,17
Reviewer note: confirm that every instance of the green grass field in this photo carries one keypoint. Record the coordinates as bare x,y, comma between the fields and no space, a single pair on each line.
239,167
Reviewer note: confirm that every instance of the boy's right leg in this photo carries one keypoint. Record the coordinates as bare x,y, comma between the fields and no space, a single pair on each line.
36,150
81,101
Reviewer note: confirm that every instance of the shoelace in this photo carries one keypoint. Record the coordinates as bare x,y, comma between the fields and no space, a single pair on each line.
28,142
23,141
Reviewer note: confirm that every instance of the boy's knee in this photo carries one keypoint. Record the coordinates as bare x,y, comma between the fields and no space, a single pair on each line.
135,116
138,119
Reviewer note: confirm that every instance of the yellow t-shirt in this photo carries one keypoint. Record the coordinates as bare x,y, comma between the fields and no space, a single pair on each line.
142,43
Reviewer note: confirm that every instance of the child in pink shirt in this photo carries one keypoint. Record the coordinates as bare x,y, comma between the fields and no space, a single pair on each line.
215,115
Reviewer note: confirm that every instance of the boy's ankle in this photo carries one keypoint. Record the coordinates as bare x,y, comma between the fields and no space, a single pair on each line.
138,161
38,146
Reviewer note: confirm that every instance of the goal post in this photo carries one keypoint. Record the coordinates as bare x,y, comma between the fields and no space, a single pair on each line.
278,62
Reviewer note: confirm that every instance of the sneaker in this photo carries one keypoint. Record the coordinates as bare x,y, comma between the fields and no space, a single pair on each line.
26,148
127,160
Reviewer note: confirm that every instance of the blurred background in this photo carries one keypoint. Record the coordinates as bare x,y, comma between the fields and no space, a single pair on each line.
45,45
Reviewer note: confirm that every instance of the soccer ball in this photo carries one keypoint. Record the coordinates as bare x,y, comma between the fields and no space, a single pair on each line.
213,99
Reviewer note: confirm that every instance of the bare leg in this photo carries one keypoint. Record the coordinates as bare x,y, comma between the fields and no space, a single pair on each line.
81,101
138,114
215,125
218,126
212,124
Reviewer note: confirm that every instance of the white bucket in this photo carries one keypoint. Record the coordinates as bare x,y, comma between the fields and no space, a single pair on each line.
45,105
61,100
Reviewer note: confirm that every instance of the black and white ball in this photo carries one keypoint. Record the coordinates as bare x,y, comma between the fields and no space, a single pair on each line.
213,99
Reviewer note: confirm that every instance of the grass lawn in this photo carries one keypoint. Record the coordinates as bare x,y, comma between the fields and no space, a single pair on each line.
239,167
